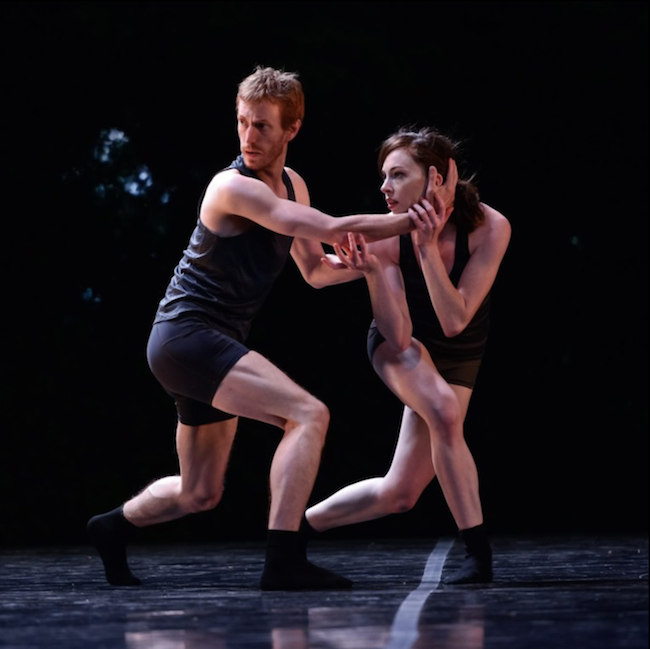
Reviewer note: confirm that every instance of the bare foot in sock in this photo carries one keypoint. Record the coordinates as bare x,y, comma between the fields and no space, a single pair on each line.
109,534
473,571
300,575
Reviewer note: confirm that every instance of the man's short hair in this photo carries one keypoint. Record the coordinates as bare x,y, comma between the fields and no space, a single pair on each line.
277,86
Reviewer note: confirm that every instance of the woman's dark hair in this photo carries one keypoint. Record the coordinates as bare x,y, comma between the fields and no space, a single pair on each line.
429,148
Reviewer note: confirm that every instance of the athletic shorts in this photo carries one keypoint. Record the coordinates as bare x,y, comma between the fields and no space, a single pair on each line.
190,359
454,371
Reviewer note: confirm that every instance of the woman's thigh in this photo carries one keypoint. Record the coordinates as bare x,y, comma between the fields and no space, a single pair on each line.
413,378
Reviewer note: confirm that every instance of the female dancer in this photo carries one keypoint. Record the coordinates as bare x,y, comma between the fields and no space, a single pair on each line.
430,295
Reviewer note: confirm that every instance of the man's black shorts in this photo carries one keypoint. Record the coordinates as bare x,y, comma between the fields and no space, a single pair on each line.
190,358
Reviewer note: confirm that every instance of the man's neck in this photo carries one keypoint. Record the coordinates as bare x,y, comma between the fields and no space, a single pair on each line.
271,175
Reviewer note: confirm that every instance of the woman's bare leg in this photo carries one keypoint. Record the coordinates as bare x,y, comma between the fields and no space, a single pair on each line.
410,472
412,376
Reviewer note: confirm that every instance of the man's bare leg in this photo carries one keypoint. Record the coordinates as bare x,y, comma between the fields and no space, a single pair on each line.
257,389
203,453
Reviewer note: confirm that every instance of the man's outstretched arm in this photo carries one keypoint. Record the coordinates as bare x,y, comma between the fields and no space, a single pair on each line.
232,195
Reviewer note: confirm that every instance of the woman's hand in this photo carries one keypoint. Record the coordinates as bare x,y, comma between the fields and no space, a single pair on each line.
355,255
333,262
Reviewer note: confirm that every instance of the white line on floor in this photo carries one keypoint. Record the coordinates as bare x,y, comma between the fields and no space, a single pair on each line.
404,630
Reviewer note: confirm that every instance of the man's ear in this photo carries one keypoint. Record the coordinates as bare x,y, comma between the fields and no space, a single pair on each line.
292,131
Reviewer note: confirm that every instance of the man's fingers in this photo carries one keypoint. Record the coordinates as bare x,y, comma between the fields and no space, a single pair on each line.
453,171
431,184
415,216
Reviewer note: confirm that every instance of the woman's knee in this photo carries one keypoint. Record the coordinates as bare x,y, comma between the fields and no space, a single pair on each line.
446,418
398,499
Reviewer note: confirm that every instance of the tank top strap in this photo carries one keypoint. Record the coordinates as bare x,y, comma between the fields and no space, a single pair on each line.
461,255
238,163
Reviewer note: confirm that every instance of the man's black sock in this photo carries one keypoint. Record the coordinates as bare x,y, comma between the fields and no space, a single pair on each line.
287,567
110,533
477,567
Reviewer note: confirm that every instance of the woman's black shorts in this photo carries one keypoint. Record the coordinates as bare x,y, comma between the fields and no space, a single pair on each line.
190,358
454,371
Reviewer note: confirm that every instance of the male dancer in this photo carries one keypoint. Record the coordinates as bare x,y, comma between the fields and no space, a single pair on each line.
248,217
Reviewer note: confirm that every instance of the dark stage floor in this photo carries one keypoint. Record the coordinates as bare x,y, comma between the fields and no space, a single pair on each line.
556,592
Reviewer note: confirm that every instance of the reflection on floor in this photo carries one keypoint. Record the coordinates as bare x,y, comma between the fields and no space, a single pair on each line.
548,593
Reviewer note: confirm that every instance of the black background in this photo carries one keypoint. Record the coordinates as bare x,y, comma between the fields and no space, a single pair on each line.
550,99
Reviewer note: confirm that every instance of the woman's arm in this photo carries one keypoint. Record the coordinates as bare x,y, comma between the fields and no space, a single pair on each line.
385,287
455,307
318,268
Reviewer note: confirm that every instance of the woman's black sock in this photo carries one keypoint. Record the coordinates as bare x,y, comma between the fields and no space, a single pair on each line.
110,533
477,567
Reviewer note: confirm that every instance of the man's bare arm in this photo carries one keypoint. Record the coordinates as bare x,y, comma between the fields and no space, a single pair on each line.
233,195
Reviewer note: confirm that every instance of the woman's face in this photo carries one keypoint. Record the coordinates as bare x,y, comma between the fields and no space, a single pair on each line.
404,180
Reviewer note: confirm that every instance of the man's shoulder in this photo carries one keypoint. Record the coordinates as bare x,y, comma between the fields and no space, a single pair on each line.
294,175
228,180
230,200
299,186
224,175
225,191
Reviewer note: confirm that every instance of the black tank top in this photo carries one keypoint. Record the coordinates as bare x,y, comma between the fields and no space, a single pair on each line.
471,342
227,279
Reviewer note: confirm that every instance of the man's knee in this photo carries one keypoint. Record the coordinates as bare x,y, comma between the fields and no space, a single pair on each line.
321,415
202,500
313,414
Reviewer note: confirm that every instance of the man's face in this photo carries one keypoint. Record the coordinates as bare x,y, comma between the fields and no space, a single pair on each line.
404,180
262,140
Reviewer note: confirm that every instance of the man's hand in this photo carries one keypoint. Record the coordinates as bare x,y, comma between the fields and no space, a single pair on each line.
431,220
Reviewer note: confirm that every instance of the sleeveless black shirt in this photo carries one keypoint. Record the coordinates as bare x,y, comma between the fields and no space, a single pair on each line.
471,342
226,280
